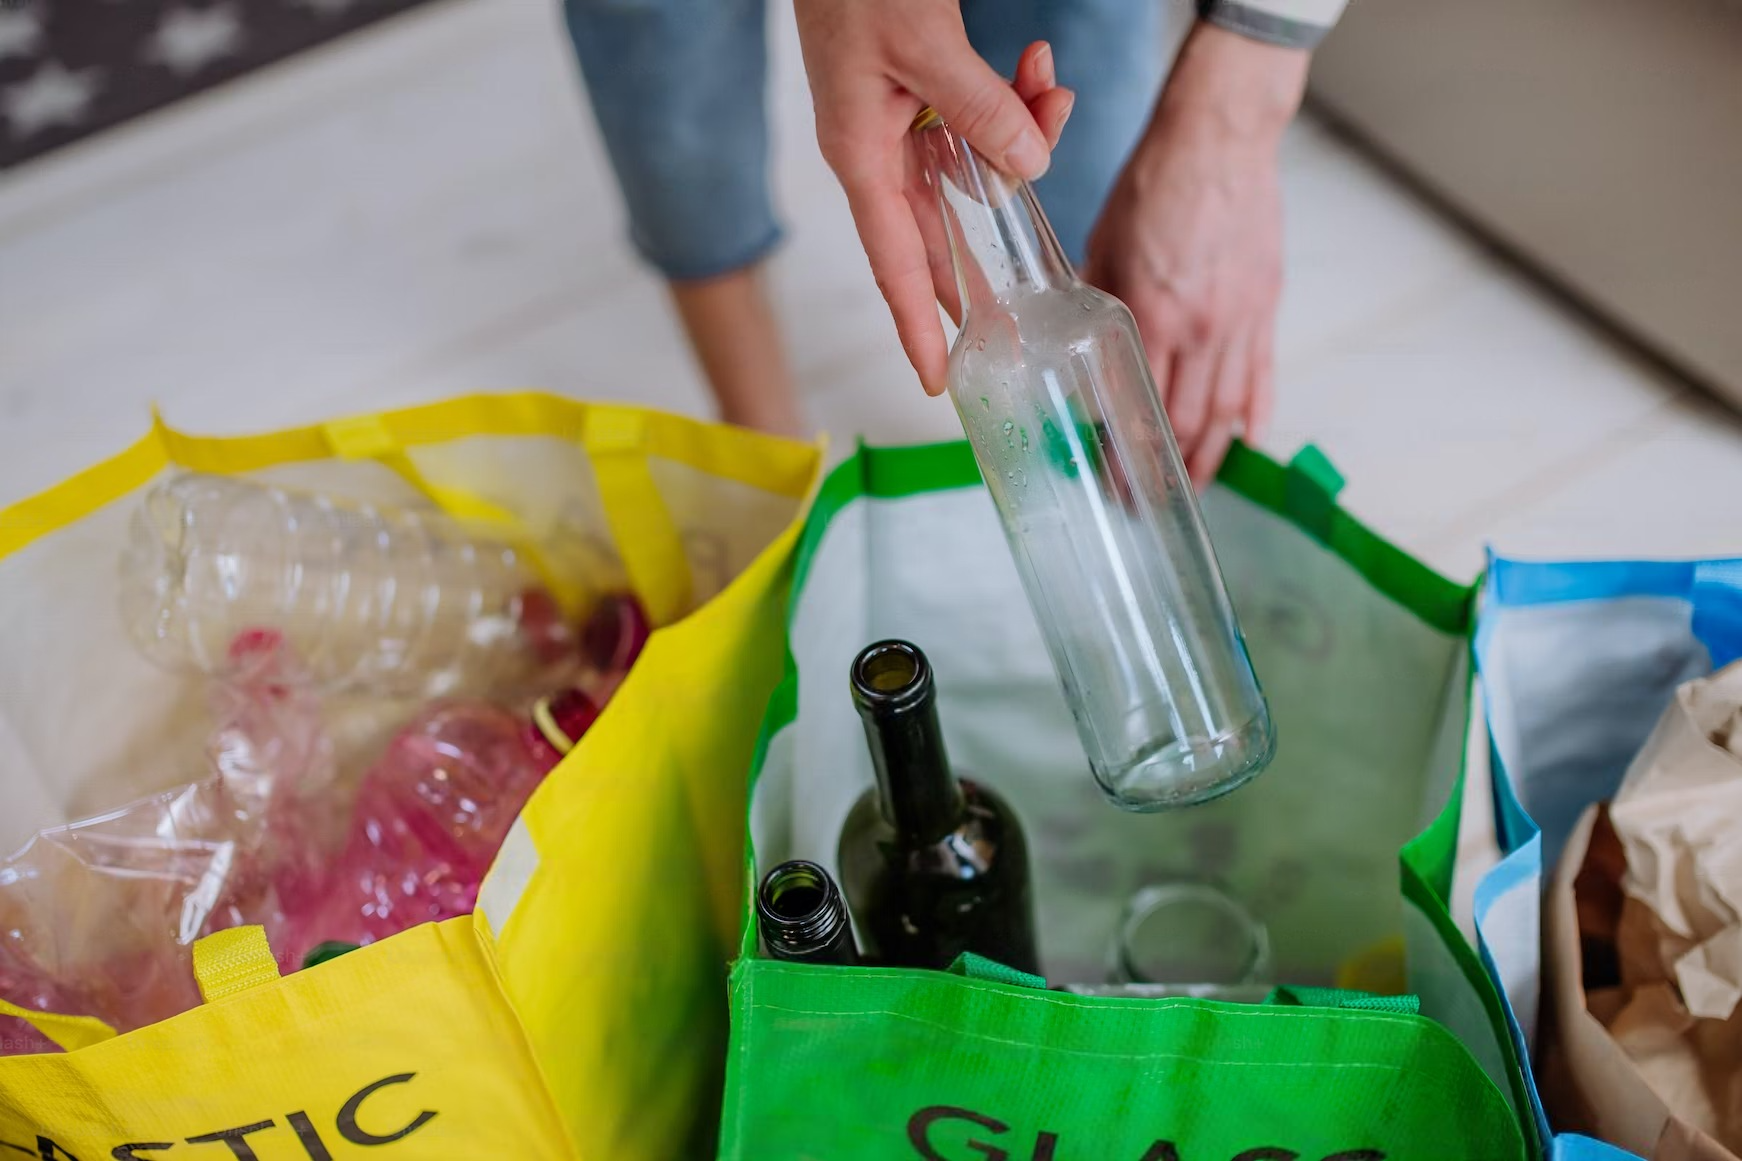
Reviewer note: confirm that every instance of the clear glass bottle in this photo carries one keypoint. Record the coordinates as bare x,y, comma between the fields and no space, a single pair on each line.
1052,384
1190,933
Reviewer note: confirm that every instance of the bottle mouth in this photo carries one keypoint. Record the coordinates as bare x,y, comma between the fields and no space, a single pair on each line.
891,675
1190,932
799,905
926,118
562,718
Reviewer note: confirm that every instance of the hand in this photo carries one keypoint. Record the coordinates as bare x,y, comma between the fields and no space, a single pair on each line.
1191,238
873,65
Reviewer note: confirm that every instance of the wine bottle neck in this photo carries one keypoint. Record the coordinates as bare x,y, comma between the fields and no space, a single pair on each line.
803,917
897,702
1001,245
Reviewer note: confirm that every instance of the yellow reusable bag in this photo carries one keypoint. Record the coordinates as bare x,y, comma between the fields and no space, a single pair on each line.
580,1011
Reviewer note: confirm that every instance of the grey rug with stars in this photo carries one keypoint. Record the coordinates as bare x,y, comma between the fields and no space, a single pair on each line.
69,68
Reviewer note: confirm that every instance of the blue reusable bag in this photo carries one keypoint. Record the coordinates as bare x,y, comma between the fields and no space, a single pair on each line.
1577,662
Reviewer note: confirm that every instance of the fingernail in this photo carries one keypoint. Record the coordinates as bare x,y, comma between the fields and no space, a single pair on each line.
1029,156
1043,62
1069,105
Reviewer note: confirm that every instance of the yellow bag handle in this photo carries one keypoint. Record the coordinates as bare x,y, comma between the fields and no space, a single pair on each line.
360,437
615,439
231,961
225,963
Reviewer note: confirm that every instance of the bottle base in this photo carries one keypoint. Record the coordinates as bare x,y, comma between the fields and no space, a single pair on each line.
1177,773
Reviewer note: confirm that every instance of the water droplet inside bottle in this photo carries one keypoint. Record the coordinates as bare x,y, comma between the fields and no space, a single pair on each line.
1086,308
979,344
985,403
1024,439
1009,426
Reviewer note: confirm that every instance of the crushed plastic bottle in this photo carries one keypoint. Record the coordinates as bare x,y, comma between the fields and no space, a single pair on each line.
97,916
389,600
431,815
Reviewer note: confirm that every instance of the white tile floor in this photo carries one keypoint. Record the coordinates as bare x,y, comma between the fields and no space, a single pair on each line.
424,209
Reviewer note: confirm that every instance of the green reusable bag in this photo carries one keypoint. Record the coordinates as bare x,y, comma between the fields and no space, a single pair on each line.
1343,849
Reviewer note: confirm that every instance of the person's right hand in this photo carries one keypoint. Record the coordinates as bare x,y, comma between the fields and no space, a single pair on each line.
873,65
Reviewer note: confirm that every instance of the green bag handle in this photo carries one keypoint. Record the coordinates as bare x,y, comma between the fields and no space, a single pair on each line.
1290,996
978,967
1310,492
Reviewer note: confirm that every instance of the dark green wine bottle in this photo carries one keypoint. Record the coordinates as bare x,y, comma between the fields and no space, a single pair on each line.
802,918
933,865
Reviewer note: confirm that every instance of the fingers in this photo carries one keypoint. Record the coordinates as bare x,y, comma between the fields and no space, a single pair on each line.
1157,327
1050,111
1263,397
1035,73
923,201
1037,85
1228,403
981,106
1191,381
899,262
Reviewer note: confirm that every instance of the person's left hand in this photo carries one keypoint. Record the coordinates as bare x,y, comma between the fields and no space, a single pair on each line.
1191,238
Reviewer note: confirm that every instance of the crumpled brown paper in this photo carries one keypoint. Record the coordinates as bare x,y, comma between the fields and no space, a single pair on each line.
1678,814
1678,933
1621,1058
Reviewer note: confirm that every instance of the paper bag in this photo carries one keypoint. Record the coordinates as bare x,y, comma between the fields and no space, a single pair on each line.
1679,817
1590,1084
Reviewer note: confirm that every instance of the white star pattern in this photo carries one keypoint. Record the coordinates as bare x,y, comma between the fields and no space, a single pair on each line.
54,95
189,39
325,7
20,32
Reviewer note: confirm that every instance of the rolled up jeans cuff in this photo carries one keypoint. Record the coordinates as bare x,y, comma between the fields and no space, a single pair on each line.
699,264
1285,23
678,90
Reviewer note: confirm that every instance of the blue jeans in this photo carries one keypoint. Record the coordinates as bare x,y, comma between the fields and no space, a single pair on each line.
678,87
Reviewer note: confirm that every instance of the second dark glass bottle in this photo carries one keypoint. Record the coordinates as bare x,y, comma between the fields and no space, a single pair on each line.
932,864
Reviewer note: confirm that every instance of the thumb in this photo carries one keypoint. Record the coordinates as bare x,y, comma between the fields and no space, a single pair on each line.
981,107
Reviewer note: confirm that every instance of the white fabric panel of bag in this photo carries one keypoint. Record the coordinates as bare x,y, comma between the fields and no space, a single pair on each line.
1573,690
1368,700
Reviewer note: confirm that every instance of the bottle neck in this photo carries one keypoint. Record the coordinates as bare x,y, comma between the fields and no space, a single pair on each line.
893,691
803,917
1001,245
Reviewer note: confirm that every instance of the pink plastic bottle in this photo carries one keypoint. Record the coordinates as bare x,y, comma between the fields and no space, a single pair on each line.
432,813
430,816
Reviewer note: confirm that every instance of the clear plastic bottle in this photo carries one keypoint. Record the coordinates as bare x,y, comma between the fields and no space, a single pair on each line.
391,601
1052,384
